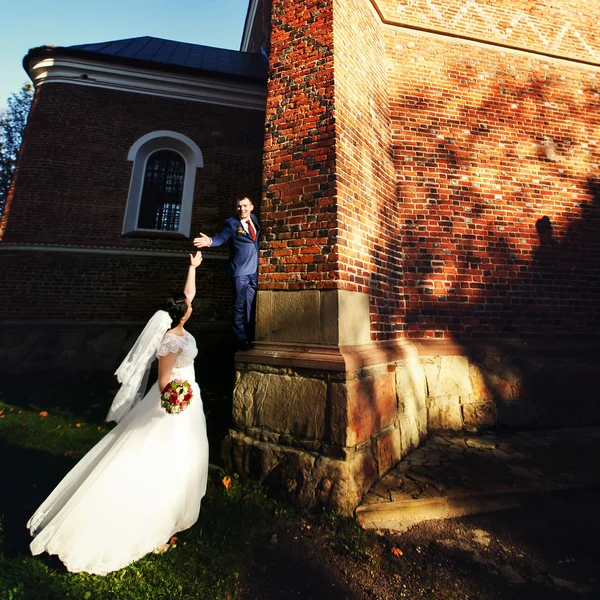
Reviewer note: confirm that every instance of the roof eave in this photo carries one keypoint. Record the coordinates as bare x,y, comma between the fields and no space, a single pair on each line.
46,51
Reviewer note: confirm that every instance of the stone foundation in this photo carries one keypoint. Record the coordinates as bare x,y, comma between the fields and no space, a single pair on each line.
323,436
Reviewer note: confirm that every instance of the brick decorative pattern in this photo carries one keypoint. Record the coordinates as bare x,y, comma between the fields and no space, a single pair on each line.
299,211
71,188
566,27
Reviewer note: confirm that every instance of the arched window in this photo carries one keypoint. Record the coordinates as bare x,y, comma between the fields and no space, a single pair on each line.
161,193
160,206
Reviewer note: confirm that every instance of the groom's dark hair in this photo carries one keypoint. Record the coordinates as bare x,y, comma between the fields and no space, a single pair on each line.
176,306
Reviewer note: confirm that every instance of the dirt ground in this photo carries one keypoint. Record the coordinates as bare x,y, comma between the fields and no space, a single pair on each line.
539,552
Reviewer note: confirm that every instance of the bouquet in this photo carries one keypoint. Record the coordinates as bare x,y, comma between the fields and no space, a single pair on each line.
176,396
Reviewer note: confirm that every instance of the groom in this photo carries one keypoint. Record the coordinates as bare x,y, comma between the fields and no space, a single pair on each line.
241,233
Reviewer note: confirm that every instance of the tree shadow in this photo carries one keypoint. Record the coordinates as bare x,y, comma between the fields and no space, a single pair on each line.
483,268
28,476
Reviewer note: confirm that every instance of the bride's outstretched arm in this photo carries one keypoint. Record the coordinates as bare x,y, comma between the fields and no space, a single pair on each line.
190,285
165,368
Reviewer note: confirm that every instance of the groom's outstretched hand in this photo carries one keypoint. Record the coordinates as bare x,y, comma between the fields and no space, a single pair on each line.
203,241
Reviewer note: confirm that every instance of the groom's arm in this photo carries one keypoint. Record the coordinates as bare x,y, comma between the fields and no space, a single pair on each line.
204,241
226,233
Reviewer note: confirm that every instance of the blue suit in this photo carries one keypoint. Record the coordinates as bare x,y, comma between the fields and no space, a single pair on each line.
243,269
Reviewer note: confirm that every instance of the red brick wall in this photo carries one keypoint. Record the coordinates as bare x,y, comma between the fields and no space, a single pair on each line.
71,188
498,163
369,234
456,183
56,286
73,176
299,211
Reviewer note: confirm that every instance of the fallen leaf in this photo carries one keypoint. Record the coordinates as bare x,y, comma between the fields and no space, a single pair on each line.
397,552
43,414
396,576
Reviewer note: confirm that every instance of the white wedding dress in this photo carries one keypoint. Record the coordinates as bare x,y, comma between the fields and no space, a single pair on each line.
138,486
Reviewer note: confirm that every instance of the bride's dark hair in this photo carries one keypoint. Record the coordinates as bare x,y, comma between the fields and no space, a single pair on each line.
176,306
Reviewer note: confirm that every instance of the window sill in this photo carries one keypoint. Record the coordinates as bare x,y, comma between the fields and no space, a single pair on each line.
156,234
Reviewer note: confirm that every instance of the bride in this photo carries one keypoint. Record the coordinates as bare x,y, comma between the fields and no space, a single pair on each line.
145,479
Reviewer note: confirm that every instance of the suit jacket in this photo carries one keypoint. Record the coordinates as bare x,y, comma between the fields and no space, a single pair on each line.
243,252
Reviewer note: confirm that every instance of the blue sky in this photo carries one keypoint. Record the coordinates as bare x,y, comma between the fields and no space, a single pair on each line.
30,23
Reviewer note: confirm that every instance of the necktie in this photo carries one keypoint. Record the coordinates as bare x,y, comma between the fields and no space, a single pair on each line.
251,230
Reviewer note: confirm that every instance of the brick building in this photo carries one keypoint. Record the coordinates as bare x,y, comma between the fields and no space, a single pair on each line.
431,213
86,254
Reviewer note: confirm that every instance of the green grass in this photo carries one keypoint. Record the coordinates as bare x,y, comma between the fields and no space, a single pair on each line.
208,561
39,450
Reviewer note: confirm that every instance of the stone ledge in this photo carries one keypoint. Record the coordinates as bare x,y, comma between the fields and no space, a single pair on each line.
327,358
403,514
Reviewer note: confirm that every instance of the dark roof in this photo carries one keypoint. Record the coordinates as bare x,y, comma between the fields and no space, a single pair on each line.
178,55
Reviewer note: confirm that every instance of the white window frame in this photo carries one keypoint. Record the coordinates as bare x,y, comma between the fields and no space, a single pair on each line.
139,154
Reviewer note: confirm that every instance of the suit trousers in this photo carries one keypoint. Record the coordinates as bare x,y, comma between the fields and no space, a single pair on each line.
244,294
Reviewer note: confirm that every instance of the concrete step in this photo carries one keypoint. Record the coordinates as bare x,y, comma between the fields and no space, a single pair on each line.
454,474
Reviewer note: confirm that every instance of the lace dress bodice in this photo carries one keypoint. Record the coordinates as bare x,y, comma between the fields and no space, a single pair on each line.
186,346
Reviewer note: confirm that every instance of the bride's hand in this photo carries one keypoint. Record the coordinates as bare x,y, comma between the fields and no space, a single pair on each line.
196,259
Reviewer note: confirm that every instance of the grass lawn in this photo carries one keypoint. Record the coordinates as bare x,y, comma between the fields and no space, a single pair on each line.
46,425
248,547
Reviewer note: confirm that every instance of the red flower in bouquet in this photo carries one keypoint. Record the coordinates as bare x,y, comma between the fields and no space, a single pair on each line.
176,396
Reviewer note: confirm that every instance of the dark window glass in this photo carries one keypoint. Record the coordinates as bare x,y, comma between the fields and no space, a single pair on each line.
162,192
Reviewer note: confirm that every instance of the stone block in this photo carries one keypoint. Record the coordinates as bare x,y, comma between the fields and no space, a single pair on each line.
517,413
449,377
504,367
387,449
410,435
352,318
448,385
445,413
295,317
480,383
264,314
340,485
361,407
479,414
411,387
334,317
289,405
489,386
